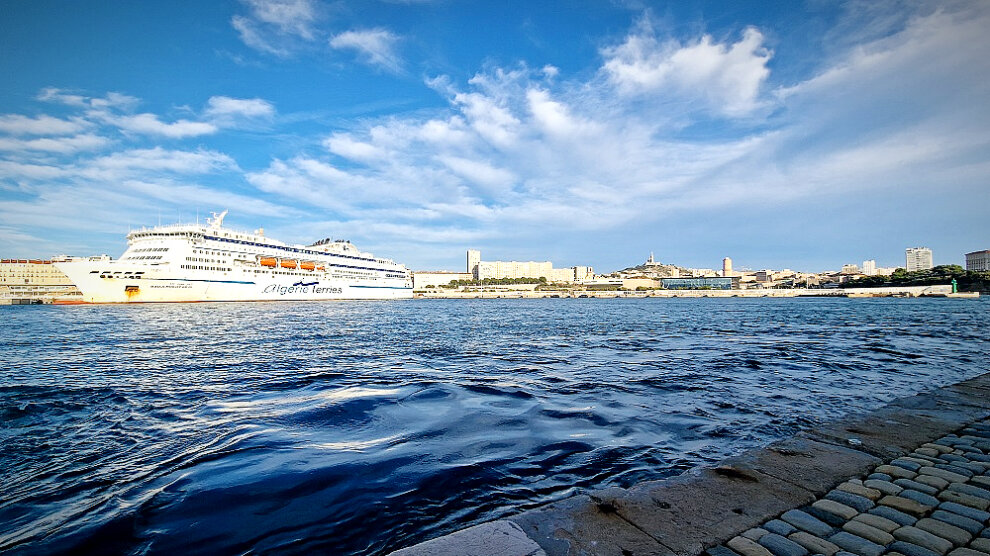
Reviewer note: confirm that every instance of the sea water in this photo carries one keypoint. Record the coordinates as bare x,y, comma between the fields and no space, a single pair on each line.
364,427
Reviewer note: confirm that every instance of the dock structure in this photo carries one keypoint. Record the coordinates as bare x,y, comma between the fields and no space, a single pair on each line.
911,478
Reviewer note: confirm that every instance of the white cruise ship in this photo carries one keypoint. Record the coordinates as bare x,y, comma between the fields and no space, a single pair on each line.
192,262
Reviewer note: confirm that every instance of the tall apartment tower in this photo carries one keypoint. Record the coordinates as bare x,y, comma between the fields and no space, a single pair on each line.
473,258
727,267
870,267
918,258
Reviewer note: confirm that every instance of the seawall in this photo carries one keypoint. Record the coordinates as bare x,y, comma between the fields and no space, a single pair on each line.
705,508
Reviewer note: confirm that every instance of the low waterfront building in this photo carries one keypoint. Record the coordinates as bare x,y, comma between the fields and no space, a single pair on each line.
918,258
36,279
978,261
709,283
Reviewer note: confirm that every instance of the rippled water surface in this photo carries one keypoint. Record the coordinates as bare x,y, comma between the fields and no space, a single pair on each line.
360,428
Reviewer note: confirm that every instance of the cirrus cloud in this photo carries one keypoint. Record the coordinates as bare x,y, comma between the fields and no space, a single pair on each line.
375,47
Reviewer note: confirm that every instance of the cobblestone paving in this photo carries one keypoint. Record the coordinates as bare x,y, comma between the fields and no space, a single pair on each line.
932,502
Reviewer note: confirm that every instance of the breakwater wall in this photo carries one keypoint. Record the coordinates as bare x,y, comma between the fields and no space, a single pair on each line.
704,509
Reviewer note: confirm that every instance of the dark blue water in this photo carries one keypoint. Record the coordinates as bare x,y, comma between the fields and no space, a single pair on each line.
360,428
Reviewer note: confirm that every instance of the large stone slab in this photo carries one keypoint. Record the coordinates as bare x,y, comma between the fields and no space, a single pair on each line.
894,431
582,525
495,537
976,389
698,510
810,464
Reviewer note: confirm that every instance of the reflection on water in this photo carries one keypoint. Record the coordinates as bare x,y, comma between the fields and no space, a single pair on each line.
358,428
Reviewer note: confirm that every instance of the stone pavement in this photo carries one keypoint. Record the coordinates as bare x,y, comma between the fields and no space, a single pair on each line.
909,479
931,502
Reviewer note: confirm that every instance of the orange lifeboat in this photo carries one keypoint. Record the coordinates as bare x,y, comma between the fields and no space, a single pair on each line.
306,265
288,263
270,263
321,268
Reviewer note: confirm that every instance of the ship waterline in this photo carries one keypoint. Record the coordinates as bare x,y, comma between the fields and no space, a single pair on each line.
185,263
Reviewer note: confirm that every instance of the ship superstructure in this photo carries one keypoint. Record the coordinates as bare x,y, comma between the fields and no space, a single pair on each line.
193,262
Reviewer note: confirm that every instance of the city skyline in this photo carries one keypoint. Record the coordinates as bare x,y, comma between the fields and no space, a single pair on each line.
806,136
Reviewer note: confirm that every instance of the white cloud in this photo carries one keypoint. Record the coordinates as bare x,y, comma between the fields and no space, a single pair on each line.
18,170
479,172
292,17
221,106
374,46
726,77
17,124
195,195
149,124
277,26
51,94
158,159
345,146
62,145
253,37
112,100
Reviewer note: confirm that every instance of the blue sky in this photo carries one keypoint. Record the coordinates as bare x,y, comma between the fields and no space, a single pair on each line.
782,134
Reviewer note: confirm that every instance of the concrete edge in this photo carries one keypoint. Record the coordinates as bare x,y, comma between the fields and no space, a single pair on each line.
705,507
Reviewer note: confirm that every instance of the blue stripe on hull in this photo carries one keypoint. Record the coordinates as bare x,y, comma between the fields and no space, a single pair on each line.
191,280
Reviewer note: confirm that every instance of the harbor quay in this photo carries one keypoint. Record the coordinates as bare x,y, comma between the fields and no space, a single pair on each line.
532,293
911,478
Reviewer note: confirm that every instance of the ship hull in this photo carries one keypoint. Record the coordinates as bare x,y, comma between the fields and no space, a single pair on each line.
119,283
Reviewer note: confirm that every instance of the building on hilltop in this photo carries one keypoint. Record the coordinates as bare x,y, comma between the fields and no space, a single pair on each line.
918,258
978,261
494,270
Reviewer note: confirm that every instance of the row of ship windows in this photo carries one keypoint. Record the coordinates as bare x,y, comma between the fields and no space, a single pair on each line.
150,250
201,260
291,249
197,267
143,257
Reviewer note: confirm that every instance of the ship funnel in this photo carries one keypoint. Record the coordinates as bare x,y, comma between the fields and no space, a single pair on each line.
217,220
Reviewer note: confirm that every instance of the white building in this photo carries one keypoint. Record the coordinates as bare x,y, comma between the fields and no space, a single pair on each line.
978,261
494,270
918,258
870,267
473,258
727,267
849,269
